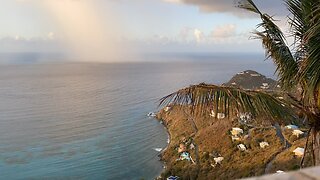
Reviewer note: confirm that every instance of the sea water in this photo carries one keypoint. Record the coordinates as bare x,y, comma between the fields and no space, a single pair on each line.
89,120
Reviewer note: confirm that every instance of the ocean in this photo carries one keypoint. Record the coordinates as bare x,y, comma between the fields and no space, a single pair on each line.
89,120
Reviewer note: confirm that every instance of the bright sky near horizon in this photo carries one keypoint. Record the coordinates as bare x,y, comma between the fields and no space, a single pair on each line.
100,28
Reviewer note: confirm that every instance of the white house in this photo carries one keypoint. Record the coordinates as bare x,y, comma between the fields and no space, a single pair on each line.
218,160
255,75
241,147
264,86
297,132
236,131
264,144
299,151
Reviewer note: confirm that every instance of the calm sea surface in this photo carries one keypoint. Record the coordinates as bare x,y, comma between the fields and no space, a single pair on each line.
88,121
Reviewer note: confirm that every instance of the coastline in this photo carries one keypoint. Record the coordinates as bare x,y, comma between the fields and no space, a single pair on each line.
169,141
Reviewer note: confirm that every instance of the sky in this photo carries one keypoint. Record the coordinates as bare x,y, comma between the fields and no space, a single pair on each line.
113,30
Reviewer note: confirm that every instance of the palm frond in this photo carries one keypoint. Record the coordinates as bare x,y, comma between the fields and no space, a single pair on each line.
310,67
248,5
276,47
230,100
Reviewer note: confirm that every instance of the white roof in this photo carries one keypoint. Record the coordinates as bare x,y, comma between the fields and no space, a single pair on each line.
292,126
218,159
255,74
242,146
264,144
299,150
237,129
297,131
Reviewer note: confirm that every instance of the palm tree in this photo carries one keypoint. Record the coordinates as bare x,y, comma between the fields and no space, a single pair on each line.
298,69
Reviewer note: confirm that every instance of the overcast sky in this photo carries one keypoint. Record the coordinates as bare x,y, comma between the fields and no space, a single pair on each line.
113,27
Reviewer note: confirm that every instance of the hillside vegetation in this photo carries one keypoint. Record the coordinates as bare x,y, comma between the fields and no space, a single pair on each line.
212,139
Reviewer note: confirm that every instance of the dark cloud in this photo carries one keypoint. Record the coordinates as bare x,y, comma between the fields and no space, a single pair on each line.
272,7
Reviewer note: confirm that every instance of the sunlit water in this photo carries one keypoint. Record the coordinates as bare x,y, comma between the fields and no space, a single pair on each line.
88,121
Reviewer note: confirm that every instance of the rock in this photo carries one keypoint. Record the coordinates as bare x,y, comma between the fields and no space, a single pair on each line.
151,114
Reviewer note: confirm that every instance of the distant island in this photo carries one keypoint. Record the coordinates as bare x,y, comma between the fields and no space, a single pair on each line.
213,146
250,79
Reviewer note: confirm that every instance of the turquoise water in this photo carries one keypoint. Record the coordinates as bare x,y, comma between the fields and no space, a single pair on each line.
88,121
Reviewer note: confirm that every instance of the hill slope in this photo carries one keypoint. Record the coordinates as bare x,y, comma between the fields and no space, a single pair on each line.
213,140
250,79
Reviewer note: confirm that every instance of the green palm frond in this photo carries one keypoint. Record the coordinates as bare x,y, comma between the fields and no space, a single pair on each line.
274,42
228,100
310,67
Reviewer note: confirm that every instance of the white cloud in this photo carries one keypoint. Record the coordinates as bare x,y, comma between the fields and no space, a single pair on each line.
35,44
199,36
223,34
224,31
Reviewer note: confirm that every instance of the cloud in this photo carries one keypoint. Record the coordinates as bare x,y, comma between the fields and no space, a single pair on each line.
198,35
273,7
224,31
35,44
90,29
219,35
